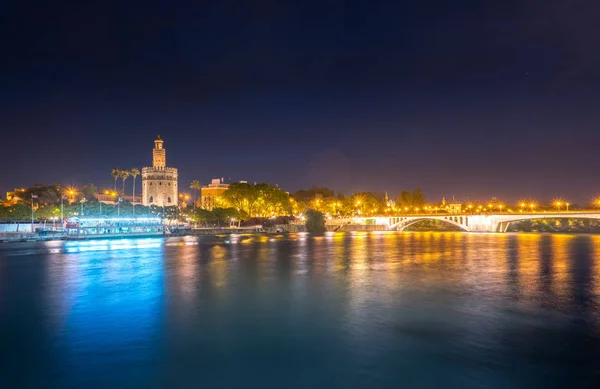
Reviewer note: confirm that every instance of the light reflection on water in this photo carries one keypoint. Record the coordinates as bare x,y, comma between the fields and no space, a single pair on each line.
356,310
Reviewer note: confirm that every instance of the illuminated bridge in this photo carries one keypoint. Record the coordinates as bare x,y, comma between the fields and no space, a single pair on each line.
468,222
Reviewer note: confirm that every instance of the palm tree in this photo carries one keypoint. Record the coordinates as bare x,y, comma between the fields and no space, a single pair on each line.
124,174
134,173
195,186
116,173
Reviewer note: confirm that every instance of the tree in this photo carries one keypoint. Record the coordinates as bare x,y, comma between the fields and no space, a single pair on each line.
124,174
306,196
89,191
134,173
404,199
257,200
320,199
116,173
366,203
200,215
215,215
240,195
315,222
196,187
223,215
418,198
47,212
19,212
46,195
4,212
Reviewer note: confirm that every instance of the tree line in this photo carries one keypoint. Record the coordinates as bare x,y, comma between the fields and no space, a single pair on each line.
124,174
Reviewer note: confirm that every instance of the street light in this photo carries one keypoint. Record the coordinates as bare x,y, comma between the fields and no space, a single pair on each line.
558,204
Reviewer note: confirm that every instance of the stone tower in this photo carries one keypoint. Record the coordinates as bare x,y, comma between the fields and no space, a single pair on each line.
159,182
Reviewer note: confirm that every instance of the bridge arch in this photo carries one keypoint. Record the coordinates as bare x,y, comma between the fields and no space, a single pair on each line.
407,222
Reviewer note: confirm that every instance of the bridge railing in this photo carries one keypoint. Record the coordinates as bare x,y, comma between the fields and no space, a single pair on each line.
592,211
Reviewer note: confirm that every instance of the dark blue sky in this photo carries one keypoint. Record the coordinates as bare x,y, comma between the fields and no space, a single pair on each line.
472,98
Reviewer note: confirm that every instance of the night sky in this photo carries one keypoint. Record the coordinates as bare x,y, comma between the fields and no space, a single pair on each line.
472,98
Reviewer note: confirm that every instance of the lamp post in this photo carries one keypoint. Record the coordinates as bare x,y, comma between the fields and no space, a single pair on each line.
32,197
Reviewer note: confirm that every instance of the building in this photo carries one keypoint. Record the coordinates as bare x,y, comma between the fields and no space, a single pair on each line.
453,207
210,192
159,182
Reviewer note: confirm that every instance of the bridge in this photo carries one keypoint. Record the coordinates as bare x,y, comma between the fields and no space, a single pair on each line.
490,222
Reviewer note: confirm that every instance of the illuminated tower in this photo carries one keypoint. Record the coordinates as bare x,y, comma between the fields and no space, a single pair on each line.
159,182
159,154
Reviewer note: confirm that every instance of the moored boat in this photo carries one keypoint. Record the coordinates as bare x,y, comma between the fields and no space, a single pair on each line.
113,227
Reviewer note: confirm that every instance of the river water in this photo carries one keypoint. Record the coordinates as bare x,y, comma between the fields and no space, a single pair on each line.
363,310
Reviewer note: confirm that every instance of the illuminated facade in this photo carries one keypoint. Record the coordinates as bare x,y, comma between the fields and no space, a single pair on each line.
159,182
210,193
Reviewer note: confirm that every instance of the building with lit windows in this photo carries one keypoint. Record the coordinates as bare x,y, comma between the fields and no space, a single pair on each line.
159,182
209,193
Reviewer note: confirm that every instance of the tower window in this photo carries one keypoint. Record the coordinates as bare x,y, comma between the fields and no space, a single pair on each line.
160,183
168,200
169,184
151,199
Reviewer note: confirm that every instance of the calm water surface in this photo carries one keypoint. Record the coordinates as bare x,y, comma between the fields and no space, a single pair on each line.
379,310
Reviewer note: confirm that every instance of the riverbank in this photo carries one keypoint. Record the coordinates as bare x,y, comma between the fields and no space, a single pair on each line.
10,237
14,237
